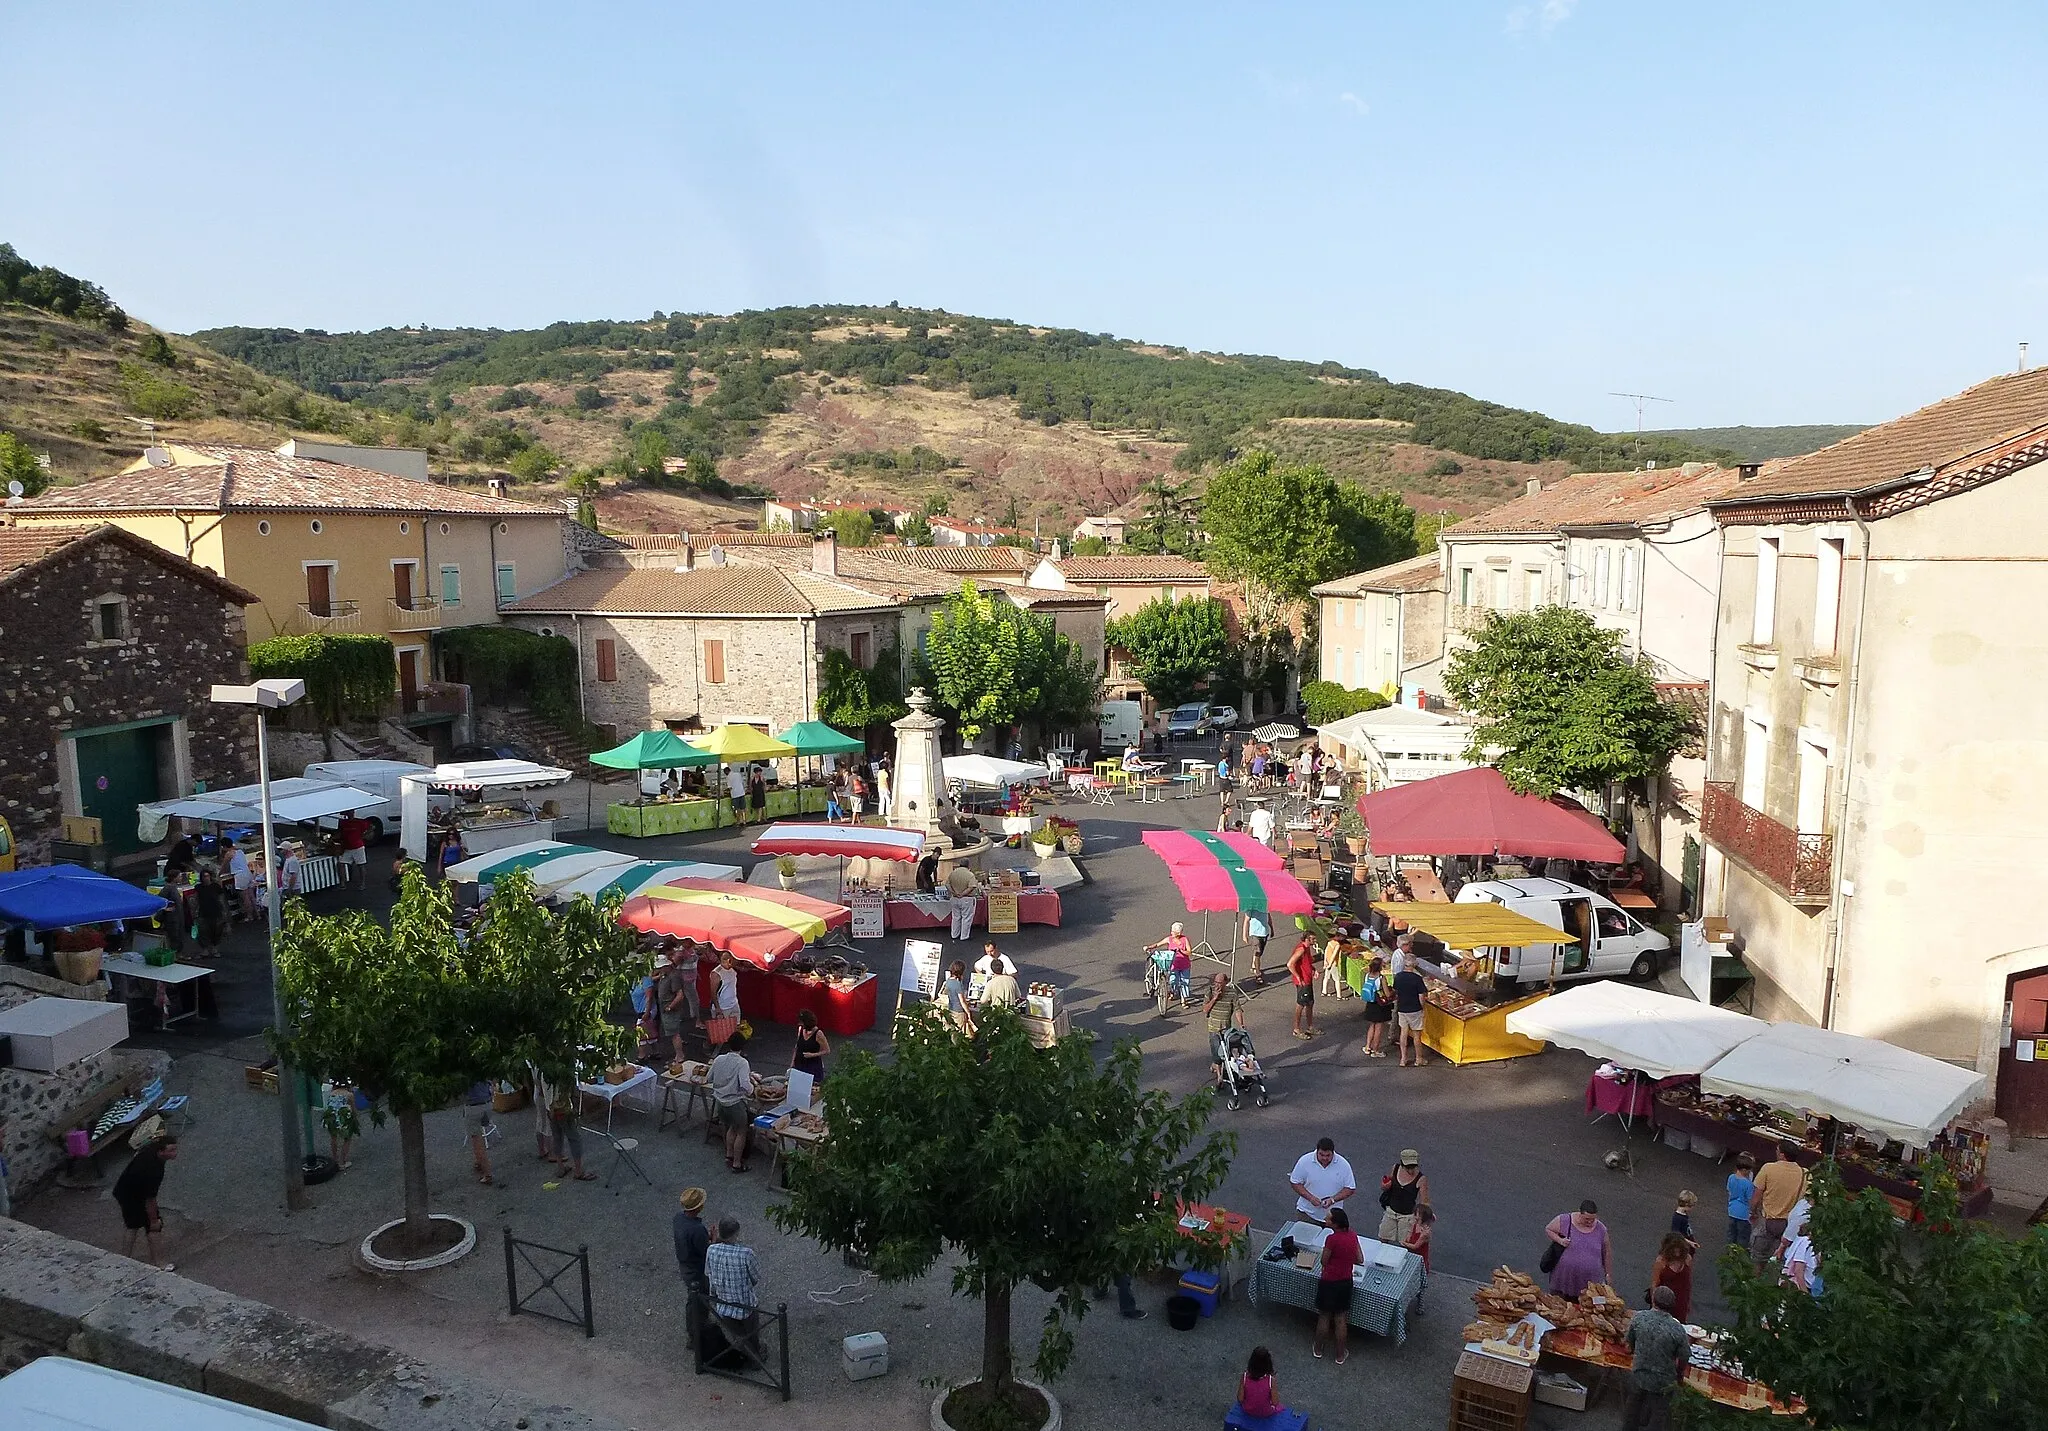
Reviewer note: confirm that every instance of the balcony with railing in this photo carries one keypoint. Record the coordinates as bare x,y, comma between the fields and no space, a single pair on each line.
318,618
1799,865
422,613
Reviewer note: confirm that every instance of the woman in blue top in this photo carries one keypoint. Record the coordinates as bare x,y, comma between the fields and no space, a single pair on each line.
1741,1193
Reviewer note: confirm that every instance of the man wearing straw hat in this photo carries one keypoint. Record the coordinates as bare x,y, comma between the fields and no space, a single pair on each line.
136,1189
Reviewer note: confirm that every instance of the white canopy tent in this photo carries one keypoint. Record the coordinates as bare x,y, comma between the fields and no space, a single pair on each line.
1877,1086
292,802
1655,1033
991,773
627,879
413,790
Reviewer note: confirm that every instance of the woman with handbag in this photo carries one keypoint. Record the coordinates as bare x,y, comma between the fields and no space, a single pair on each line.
1580,1251
1378,992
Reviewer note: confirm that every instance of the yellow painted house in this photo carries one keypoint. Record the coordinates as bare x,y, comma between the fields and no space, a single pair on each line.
327,545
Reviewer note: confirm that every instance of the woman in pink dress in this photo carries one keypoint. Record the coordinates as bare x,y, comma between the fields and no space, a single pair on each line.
1257,1395
1588,1254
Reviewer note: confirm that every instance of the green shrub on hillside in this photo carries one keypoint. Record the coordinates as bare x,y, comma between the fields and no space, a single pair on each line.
155,396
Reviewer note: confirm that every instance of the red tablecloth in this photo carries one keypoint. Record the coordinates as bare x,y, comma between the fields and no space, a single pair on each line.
1631,1097
840,1011
1034,906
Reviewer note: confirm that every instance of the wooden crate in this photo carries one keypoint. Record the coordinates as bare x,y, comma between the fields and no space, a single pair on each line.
1488,1394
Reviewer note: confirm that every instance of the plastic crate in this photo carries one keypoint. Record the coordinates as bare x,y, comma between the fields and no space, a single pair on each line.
1204,1287
1488,1394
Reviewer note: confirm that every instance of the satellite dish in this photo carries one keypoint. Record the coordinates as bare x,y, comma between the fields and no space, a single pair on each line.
15,489
156,456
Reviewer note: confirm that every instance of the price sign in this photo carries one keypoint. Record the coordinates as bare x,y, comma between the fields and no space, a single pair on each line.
1002,911
921,967
867,913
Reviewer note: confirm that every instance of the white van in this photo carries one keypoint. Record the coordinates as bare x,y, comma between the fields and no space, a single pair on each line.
1123,726
1603,938
382,776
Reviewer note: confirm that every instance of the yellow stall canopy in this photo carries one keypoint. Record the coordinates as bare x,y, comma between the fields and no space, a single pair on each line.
1470,926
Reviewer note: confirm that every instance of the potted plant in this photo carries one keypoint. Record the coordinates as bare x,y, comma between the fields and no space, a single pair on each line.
1351,825
785,871
1043,839
1063,832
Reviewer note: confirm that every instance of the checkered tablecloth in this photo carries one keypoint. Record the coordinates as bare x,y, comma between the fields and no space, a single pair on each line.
1380,1296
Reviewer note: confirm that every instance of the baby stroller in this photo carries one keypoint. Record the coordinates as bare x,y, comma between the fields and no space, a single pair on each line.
1241,1069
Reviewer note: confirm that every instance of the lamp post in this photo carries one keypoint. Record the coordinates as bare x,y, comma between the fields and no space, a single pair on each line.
265,696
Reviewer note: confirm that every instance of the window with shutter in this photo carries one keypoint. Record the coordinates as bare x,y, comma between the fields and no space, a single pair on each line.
607,659
714,663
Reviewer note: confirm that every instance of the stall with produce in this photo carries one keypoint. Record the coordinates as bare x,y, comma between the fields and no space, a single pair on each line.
484,804
1464,1018
656,812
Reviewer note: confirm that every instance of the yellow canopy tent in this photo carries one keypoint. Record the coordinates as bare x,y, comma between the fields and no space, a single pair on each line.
1471,926
736,743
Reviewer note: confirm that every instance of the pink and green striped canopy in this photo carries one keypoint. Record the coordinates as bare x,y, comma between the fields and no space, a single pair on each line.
1229,871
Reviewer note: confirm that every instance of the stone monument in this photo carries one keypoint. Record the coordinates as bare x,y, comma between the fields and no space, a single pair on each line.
917,785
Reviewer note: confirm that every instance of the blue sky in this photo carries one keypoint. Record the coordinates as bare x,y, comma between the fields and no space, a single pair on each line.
1770,213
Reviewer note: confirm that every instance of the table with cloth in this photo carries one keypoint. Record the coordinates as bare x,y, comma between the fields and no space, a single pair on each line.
1381,1297
843,1010
1628,1097
928,911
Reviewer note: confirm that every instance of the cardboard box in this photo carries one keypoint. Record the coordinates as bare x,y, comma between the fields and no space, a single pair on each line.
51,1033
1554,1388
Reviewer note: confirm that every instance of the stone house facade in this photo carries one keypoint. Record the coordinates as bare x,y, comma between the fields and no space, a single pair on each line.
109,647
1383,630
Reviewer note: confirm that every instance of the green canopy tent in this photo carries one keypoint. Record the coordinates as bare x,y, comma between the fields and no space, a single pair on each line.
815,738
649,750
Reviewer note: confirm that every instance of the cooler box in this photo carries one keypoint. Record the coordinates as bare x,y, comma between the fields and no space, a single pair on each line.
864,1355
1203,1287
51,1033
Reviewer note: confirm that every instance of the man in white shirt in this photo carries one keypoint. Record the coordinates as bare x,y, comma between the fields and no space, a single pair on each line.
1322,1180
1261,824
243,878
289,877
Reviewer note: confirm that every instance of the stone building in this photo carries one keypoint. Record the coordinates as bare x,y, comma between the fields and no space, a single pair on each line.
109,646
1383,630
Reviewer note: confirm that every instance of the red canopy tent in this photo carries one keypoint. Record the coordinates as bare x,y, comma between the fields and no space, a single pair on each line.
754,924
1473,812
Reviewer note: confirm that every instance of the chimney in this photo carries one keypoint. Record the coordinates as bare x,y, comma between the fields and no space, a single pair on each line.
1056,549
1535,486
1746,471
686,555
825,553
497,486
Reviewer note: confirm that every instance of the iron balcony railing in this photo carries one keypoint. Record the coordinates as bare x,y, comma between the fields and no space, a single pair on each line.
1798,864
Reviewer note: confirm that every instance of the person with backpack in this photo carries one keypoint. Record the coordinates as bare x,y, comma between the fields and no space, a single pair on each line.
1378,993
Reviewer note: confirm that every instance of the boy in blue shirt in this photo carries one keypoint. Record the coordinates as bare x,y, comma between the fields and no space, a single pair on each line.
1741,1192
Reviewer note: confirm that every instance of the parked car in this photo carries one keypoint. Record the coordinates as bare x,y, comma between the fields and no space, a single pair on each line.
382,776
1223,717
464,754
1198,718
1602,937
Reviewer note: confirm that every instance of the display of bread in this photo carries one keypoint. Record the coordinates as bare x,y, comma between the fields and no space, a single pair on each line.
1513,1295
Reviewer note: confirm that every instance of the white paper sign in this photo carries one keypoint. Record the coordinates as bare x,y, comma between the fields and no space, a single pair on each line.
921,967
866,905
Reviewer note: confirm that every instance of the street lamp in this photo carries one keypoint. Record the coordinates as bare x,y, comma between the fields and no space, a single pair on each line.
265,696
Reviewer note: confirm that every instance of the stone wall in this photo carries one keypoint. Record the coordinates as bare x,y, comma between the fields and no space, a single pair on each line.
59,1297
57,676
769,670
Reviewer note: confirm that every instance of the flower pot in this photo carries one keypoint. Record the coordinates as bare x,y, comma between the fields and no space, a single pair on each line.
77,966
786,881
1052,1406
1071,844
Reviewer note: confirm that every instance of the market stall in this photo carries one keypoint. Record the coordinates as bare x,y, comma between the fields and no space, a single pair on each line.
1649,1038
648,750
757,925
486,806
550,864
626,880
998,782
1464,1020
875,842
1474,812
903,910
1231,872
1385,1286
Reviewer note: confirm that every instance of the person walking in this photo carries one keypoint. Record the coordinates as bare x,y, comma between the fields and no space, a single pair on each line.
882,787
1335,972
1401,1192
1586,1254
135,1191
1322,1180
477,1122
1779,1186
1260,824
757,795
568,1131
1673,1269
955,994
1301,967
724,1021
1408,991
353,834
339,1116
857,793
675,993
243,878
1378,992
736,792
212,913
1741,1192
1660,1345
1340,1254
732,1100
1223,1008
811,1047
1258,929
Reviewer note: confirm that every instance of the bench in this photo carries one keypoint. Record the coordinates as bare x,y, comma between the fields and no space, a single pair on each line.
87,1113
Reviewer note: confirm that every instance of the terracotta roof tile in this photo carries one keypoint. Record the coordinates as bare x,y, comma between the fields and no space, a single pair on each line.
215,477
22,549
1940,435
1592,499
706,591
1417,573
1131,568
870,569
1014,561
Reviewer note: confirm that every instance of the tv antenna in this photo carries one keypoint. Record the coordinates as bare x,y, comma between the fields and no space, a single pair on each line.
1639,399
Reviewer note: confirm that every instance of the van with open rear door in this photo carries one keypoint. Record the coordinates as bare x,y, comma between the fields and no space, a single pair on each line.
1601,938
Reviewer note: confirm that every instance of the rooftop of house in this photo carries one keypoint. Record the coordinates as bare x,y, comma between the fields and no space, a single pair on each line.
24,549
1943,435
1417,573
1112,569
703,591
1598,499
216,477
994,561
870,568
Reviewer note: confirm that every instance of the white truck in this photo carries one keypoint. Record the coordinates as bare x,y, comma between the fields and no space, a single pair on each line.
1123,726
1601,937
382,776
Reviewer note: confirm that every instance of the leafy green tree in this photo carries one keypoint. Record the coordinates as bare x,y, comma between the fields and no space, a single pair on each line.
1936,1326
1072,688
1167,523
994,665
534,464
588,398
155,396
1025,1164
413,1016
1175,647
156,348
1283,529
1562,702
18,464
854,699
650,450
853,529
1090,547
1325,701
917,530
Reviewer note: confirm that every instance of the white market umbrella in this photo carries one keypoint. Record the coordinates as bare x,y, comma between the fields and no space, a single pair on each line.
988,771
1874,1085
1654,1033
1277,730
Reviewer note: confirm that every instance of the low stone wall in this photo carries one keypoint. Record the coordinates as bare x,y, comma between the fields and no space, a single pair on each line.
59,1297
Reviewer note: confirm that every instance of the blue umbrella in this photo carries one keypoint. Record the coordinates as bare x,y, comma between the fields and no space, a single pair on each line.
54,896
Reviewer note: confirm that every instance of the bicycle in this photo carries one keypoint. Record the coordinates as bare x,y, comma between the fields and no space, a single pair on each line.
1159,979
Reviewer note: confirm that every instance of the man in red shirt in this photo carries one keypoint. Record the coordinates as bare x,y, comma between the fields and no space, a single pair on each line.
354,832
1301,967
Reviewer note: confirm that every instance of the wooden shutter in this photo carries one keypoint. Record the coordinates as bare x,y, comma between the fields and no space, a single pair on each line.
607,659
714,663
